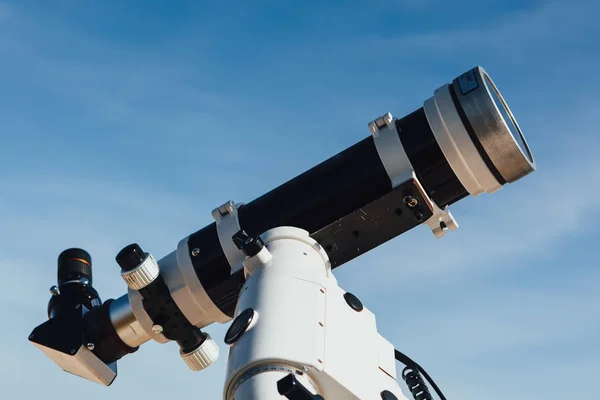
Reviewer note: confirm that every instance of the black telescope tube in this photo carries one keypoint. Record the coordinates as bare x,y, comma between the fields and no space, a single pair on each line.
351,179
426,157
321,195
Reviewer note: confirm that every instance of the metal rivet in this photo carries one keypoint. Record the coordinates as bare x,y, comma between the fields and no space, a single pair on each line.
73,351
195,252
90,346
157,329
54,290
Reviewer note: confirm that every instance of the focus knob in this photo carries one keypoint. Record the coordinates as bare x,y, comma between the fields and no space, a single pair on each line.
138,269
203,356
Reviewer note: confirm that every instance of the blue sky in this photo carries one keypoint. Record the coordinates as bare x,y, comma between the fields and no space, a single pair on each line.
130,121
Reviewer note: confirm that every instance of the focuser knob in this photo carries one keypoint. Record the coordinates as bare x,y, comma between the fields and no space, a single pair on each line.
203,356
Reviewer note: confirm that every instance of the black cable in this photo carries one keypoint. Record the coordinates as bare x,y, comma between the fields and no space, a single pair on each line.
411,376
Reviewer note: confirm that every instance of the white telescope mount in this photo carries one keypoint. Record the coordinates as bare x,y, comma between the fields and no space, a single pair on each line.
297,334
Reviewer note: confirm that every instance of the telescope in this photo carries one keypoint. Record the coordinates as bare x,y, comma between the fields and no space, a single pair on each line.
267,265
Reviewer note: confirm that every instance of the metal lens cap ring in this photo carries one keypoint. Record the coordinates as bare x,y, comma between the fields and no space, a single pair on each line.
494,125
508,118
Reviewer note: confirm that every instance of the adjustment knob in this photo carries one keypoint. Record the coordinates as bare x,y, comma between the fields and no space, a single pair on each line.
203,356
130,257
138,269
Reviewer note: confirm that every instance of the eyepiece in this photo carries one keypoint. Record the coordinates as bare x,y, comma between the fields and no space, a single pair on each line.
74,264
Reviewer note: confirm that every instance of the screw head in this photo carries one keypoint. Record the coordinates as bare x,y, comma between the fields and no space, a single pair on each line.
157,329
410,201
54,290
73,351
90,346
195,252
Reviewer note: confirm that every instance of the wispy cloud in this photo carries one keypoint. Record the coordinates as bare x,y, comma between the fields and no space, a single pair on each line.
506,31
492,339
48,212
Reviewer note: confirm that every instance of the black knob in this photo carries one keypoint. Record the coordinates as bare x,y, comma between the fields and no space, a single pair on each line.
250,245
74,264
353,302
239,326
130,257
387,395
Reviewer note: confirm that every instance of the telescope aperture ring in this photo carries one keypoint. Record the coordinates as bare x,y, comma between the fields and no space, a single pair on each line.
494,126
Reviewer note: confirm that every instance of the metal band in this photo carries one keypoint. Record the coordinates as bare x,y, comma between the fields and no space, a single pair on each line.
390,149
252,371
457,146
125,323
187,290
137,307
228,224
484,107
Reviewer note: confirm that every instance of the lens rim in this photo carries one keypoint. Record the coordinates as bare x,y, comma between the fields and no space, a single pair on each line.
493,132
